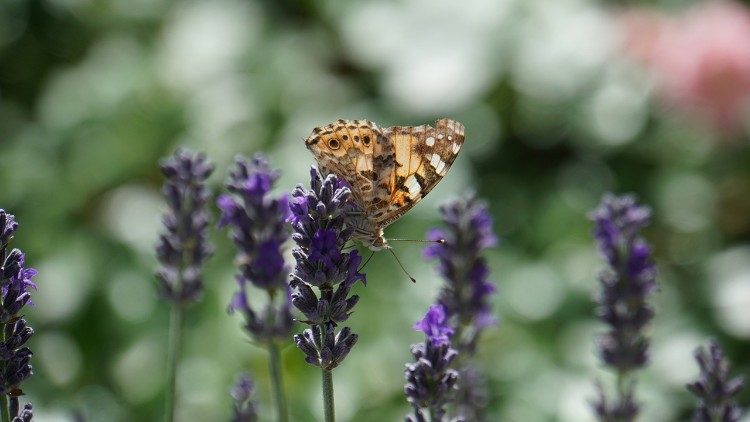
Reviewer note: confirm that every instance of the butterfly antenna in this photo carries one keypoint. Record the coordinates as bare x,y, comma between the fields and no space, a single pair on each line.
441,241
366,261
402,266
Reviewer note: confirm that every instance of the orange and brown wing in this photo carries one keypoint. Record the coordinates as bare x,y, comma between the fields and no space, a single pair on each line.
354,150
423,155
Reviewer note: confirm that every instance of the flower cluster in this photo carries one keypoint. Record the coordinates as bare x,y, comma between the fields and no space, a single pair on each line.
15,282
430,382
319,217
458,250
184,247
466,292
625,287
244,407
714,389
258,227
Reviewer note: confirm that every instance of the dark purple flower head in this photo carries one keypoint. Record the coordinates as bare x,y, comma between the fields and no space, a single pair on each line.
626,284
257,223
318,217
714,388
183,247
242,392
430,381
16,281
435,326
467,290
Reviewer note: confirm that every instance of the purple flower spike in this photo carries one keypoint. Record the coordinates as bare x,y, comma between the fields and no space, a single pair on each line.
714,388
242,392
466,293
626,284
257,223
430,381
183,248
16,283
318,217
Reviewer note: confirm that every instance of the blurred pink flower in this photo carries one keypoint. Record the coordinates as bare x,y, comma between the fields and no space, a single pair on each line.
701,59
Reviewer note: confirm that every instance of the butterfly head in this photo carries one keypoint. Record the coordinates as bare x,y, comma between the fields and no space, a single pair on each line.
378,243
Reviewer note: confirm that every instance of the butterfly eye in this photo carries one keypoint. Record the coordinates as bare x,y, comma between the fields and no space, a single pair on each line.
334,144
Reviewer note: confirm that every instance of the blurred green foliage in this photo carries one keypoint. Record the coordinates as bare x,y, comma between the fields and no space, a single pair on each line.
94,92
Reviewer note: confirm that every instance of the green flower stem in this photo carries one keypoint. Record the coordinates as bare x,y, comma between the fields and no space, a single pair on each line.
176,322
277,382
328,395
4,412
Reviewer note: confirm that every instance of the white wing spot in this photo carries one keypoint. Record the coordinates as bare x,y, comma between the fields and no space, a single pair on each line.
430,141
441,166
456,147
435,160
440,136
450,138
413,185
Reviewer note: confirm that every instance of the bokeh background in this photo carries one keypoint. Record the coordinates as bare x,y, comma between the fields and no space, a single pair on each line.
562,100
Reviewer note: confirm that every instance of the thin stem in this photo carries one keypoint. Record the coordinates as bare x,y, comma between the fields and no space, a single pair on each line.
621,378
328,395
277,382
175,341
4,412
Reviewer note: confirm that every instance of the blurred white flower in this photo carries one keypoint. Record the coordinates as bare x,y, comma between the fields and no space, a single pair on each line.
203,41
560,47
729,276
436,56
138,372
131,213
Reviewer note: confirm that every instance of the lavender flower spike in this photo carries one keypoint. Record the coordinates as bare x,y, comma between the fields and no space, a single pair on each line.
244,407
714,389
467,291
257,222
319,216
16,281
430,382
626,284
183,247
320,232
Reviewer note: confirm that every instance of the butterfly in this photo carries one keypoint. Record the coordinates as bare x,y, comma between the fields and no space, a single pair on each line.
389,170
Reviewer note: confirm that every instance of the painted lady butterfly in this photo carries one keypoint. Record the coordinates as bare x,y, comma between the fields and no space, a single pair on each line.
389,170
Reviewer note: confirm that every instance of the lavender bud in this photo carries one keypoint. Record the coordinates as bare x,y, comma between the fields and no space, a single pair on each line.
16,281
257,223
430,382
625,286
467,292
714,388
183,247
242,392
318,217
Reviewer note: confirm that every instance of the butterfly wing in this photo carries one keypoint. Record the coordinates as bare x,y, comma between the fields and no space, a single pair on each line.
358,152
423,155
